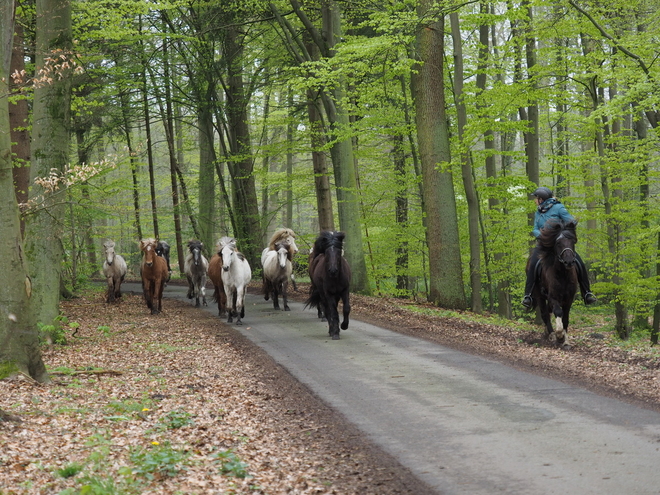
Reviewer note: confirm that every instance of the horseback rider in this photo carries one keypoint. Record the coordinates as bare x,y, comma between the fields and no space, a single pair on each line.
549,207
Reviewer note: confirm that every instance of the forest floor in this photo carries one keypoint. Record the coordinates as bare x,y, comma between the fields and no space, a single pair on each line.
181,403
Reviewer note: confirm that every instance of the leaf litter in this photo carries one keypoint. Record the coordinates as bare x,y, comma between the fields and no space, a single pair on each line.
181,403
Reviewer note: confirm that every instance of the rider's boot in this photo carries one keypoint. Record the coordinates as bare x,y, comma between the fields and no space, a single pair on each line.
585,287
527,301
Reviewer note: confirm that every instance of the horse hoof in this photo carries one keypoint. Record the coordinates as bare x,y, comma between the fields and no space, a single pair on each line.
323,318
344,325
286,308
239,322
335,337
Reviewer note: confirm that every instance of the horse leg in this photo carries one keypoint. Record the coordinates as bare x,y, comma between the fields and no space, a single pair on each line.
276,296
110,296
545,316
346,308
156,302
203,290
285,300
240,307
560,334
333,320
230,305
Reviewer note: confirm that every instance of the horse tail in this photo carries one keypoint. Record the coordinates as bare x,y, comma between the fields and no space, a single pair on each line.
314,299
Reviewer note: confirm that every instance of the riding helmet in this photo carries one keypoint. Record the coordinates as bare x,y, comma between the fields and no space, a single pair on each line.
543,193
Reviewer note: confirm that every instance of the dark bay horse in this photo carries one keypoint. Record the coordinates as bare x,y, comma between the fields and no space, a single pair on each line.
557,278
163,249
195,268
154,275
331,277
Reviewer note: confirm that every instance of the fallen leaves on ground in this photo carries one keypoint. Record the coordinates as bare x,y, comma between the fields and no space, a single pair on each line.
175,403
180,403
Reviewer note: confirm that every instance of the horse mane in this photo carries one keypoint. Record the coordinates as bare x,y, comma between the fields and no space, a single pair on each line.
328,239
553,229
195,244
109,244
148,241
225,241
280,234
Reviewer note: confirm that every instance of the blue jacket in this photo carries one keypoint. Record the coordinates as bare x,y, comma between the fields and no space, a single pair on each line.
550,209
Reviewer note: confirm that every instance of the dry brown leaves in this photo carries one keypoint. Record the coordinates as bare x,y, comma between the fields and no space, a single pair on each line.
187,385
189,409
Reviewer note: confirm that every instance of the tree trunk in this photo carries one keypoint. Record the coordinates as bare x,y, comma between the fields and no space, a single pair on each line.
446,283
206,178
19,123
466,169
50,154
245,204
19,341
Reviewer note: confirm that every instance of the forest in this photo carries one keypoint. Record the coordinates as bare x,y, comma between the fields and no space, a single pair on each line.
417,127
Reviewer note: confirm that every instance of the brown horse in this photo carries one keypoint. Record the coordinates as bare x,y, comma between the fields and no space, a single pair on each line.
558,280
331,278
154,275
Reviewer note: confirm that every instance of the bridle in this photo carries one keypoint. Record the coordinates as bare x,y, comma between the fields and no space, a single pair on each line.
561,255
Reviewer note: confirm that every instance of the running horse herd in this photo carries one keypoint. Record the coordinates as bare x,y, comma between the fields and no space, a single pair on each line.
330,276
230,273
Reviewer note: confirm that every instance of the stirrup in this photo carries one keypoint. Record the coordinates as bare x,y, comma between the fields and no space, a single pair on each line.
589,298
527,301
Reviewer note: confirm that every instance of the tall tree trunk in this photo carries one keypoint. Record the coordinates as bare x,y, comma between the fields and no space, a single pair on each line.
401,215
147,129
321,175
50,153
341,151
168,123
206,177
446,282
245,204
466,169
133,161
19,341
19,124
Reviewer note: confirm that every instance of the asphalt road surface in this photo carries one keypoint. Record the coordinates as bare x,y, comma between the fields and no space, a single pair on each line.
463,424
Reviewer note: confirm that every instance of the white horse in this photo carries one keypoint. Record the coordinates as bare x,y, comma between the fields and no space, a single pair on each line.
289,236
114,269
236,275
277,270
195,268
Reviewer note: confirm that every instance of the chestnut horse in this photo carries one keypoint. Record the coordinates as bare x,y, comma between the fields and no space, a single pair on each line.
154,275
215,275
331,278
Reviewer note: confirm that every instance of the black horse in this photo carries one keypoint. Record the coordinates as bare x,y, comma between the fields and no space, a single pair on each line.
331,277
557,277
163,250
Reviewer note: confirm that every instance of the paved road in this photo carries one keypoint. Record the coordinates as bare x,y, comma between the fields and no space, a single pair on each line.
461,423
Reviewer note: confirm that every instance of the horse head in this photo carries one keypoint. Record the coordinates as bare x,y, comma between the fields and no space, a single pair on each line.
227,252
565,245
330,243
559,238
283,250
195,248
148,247
109,247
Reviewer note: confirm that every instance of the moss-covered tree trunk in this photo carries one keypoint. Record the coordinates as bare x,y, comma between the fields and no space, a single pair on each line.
50,155
446,283
19,341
